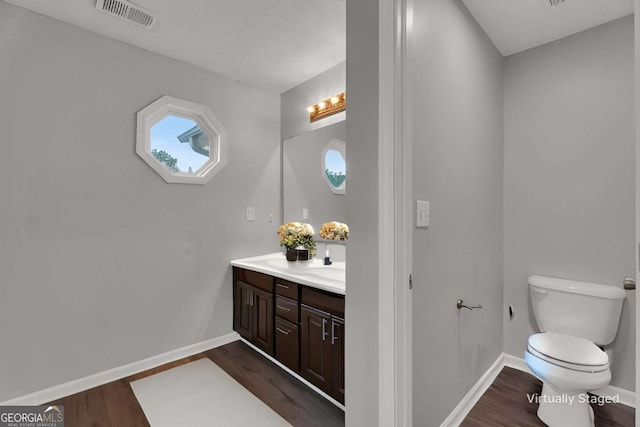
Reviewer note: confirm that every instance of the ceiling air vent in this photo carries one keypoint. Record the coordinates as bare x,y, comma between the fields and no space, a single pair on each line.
127,11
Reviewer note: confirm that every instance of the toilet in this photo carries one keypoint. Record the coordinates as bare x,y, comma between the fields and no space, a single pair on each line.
575,319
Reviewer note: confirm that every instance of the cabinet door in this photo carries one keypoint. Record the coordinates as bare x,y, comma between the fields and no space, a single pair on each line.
287,343
262,313
337,359
242,319
315,348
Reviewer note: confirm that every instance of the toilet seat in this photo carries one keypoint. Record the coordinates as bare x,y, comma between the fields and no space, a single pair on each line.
569,352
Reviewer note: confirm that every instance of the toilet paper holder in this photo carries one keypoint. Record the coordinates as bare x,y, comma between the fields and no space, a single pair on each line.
460,305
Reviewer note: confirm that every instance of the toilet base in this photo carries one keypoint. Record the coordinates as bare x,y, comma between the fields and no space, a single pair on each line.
564,409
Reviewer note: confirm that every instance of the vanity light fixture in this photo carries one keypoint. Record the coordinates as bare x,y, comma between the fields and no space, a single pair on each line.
327,107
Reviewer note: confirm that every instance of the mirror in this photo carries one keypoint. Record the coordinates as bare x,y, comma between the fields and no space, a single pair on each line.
314,176
182,141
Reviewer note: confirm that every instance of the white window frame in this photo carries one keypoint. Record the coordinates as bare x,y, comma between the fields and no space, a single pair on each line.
206,120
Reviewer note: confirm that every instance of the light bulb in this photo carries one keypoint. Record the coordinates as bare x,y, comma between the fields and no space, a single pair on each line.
335,100
322,105
311,108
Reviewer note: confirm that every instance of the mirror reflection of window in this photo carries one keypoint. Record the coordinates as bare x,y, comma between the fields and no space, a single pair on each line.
179,144
335,168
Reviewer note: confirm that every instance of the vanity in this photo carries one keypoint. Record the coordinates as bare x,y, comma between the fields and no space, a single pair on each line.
294,313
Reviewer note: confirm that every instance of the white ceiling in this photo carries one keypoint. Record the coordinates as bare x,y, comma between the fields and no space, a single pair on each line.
271,44
517,25
278,44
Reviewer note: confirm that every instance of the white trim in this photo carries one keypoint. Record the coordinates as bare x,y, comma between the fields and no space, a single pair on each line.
387,99
626,397
471,398
636,294
294,374
200,114
458,414
403,212
515,363
101,378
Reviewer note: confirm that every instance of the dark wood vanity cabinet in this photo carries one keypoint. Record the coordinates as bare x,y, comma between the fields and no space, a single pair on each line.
322,341
287,321
253,308
302,327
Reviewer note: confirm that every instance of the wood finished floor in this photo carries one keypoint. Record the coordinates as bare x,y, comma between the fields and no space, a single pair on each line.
115,405
503,404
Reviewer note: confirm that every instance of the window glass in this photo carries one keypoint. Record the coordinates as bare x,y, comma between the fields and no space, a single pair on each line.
179,144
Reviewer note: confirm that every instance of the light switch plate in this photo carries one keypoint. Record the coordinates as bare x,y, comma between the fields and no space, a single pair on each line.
305,213
422,213
251,214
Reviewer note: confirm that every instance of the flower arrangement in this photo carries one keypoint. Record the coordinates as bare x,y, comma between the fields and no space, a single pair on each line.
334,230
295,235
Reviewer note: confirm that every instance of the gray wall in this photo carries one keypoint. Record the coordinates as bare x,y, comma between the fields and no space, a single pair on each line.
361,311
295,118
102,263
569,177
457,166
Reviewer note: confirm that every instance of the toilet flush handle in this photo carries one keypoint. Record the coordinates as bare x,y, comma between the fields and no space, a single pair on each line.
460,305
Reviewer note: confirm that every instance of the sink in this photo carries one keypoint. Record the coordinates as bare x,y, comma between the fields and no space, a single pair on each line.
297,265
329,273
311,273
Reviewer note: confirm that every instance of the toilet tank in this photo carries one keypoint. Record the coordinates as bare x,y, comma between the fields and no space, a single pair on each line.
587,310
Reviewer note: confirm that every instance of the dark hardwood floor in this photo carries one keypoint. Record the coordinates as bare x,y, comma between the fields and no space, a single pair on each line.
115,405
505,403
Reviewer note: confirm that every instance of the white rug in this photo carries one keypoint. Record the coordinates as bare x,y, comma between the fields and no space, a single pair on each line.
201,394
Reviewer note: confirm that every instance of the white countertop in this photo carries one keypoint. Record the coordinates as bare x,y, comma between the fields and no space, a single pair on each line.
311,273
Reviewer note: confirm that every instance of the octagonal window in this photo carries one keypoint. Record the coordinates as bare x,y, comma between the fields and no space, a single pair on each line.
334,166
180,140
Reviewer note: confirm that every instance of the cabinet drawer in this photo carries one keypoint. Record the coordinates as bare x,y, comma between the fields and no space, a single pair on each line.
287,344
287,309
287,289
253,278
325,301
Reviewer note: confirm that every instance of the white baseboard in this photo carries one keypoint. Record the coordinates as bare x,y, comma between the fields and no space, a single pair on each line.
95,380
626,397
515,363
469,400
458,414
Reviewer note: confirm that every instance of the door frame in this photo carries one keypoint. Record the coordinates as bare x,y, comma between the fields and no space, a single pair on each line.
637,246
395,214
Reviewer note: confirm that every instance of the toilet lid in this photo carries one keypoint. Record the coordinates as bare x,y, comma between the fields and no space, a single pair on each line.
568,349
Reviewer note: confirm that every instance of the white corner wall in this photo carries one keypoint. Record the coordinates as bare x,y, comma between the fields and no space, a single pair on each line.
101,262
569,176
457,166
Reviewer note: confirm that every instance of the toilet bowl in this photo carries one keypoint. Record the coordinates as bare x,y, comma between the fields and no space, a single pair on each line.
568,367
575,319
